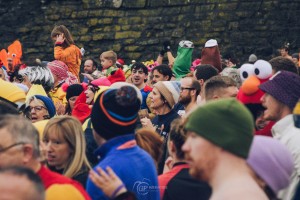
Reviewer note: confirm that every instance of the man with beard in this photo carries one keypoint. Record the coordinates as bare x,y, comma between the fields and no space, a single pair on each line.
219,136
282,92
91,71
139,75
176,183
189,91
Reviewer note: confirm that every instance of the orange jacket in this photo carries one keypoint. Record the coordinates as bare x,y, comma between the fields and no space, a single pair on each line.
71,56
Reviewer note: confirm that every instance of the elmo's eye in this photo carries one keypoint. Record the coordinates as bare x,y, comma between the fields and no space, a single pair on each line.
246,70
262,69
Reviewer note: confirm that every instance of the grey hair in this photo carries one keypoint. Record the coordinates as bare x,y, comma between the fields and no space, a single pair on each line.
32,98
21,130
233,74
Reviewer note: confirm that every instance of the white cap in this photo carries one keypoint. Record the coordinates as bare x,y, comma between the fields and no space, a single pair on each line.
211,43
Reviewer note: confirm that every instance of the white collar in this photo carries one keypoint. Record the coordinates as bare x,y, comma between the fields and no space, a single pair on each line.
280,126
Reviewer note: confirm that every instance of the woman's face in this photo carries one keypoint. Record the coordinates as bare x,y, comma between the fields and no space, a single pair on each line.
89,93
156,99
72,101
38,110
58,150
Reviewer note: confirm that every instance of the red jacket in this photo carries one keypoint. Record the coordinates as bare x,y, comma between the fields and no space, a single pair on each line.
61,187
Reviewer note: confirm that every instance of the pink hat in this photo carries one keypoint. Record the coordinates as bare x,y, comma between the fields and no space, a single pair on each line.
103,81
61,71
271,161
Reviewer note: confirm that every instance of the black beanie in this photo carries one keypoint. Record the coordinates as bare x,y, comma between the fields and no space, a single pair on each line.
115,112
74,90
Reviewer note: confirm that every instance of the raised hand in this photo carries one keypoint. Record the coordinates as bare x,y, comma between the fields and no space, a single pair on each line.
110,184
60,38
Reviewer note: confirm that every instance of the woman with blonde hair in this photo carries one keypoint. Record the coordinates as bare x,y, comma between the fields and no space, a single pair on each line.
65,49
65,144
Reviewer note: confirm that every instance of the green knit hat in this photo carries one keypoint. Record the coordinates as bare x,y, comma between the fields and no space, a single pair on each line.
227,123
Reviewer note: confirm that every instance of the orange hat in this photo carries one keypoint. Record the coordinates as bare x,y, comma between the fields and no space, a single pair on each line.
15,52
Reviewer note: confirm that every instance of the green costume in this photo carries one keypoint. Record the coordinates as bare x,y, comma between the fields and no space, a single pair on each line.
183,60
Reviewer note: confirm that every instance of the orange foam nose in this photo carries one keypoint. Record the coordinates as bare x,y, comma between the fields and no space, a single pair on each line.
250,85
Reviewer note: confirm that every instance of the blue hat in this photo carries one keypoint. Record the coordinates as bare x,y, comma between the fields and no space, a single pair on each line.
48,103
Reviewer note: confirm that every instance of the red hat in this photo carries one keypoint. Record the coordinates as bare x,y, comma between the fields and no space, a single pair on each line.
117,76
81,110
121,61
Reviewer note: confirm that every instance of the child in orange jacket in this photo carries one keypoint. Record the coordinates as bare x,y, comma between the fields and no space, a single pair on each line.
65,49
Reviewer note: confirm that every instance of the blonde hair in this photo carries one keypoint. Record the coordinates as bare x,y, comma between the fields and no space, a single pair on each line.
59,29
70,129
109,55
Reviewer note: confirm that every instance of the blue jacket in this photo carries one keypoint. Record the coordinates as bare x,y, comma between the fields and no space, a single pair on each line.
132,164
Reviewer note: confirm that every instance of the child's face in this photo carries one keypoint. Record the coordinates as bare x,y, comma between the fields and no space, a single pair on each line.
105,63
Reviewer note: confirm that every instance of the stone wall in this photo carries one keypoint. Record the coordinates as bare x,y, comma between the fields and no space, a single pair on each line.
135,29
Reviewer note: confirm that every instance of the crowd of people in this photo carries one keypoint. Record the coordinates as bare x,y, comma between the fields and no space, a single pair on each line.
173,128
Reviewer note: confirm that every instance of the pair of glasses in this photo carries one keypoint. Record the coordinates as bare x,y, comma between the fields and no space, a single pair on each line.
11,146
37,108
186,88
